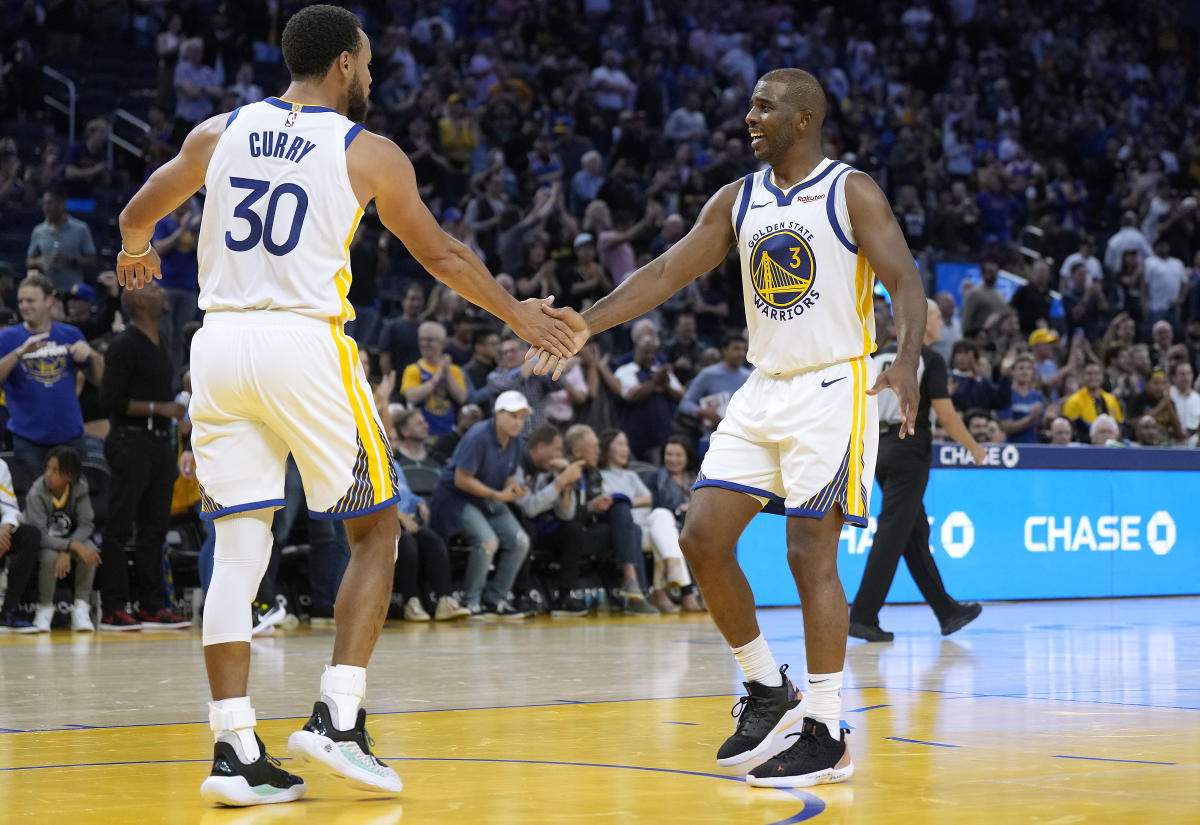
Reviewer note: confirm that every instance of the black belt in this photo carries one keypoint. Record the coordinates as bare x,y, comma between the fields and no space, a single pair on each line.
154,431
888,428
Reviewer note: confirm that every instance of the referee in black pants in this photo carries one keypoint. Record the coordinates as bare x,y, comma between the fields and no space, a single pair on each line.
902,471
141,449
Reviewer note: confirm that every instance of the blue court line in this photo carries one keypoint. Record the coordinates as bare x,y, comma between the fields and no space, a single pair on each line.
919,742
869,707
959,694
1106,759
812,805
558,703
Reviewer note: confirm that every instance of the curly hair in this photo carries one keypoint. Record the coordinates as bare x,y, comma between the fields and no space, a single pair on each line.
315,36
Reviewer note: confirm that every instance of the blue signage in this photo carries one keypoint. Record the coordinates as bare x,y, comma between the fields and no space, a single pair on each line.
1024,534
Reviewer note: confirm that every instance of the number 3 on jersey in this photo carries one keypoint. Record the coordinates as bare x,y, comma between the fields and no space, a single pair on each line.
263,229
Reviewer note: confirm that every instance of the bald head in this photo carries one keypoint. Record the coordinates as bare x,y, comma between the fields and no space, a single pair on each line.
802,92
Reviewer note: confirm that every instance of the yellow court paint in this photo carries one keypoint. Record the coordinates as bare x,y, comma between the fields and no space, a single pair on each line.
1070,712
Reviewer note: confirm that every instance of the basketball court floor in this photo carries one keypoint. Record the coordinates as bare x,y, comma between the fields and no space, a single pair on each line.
1045,712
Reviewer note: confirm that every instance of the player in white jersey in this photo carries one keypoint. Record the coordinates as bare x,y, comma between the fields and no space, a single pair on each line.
273,372
799,436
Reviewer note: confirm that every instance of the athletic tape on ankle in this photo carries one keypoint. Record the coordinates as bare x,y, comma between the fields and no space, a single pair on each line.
236,719
345,680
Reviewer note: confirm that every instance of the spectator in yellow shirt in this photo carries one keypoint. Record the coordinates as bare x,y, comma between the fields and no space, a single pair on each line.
433,383
1091,400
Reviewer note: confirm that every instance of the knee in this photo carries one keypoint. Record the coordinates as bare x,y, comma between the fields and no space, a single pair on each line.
489,547
695,549
659,518
809,564
521,543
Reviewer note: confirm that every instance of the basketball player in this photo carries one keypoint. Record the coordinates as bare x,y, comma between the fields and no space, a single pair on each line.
800,435
273,372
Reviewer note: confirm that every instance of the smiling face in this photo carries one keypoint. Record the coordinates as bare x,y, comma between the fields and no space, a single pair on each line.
772,122
675,458
618,451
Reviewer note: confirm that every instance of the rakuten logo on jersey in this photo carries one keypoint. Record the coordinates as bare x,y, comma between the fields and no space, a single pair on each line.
1047,534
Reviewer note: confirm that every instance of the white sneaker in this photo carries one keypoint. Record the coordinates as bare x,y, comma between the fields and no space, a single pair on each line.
43,617
81,617
448,608
414,611
345,754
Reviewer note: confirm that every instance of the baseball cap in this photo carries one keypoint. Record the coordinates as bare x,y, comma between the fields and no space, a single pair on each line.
563,123
82,291
582,238
1042,336
511,401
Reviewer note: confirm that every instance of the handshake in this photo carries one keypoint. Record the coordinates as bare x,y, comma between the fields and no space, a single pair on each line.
554,334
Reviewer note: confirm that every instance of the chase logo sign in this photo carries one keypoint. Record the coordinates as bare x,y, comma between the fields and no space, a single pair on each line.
782,273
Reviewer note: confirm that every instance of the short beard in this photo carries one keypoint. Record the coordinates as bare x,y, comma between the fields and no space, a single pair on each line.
356,107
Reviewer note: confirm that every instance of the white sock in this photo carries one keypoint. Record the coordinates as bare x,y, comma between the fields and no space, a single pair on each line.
232,721
757,662
825,700
342,689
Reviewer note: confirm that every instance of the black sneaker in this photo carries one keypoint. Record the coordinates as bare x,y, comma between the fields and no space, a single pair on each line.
344,753
119,620
265,616
816,758
503,610
966,613
262,782
870,632
569,605
764,715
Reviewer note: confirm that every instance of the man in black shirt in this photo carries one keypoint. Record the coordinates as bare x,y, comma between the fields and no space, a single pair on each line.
902,470
137,391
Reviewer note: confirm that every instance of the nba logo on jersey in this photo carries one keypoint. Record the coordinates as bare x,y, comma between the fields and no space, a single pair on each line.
291,118
782,272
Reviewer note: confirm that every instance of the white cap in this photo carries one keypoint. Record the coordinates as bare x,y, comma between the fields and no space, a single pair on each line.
511,401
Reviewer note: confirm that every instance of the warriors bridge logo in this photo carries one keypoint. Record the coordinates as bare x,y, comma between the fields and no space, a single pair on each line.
783,272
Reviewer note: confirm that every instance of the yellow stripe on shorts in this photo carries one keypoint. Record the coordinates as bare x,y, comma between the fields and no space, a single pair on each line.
363,407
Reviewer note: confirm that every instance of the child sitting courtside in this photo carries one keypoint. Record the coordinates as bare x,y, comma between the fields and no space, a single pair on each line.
59,506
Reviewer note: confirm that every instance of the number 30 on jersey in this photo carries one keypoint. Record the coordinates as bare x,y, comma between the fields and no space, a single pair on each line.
262,230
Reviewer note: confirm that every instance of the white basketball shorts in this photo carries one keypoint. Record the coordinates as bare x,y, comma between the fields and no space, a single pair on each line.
800,443
267,383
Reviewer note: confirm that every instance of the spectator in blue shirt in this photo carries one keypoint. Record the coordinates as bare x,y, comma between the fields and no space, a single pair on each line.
1021,420
711,389
38,360
967,389
469,500
61,246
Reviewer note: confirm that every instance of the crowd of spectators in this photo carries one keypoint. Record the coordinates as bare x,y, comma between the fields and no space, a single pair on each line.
1056,145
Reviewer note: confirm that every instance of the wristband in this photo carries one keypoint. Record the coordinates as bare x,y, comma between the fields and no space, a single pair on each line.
141,254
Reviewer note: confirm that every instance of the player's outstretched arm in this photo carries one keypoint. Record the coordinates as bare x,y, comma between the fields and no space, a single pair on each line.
170,185
700,250
393,184
880,237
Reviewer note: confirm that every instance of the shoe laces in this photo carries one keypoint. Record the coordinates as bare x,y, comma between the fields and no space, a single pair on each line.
748,710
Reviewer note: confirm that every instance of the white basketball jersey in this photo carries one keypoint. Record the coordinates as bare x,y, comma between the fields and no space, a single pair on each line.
806,284
279,212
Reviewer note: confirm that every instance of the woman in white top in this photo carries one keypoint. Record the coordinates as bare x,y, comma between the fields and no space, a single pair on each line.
660,534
